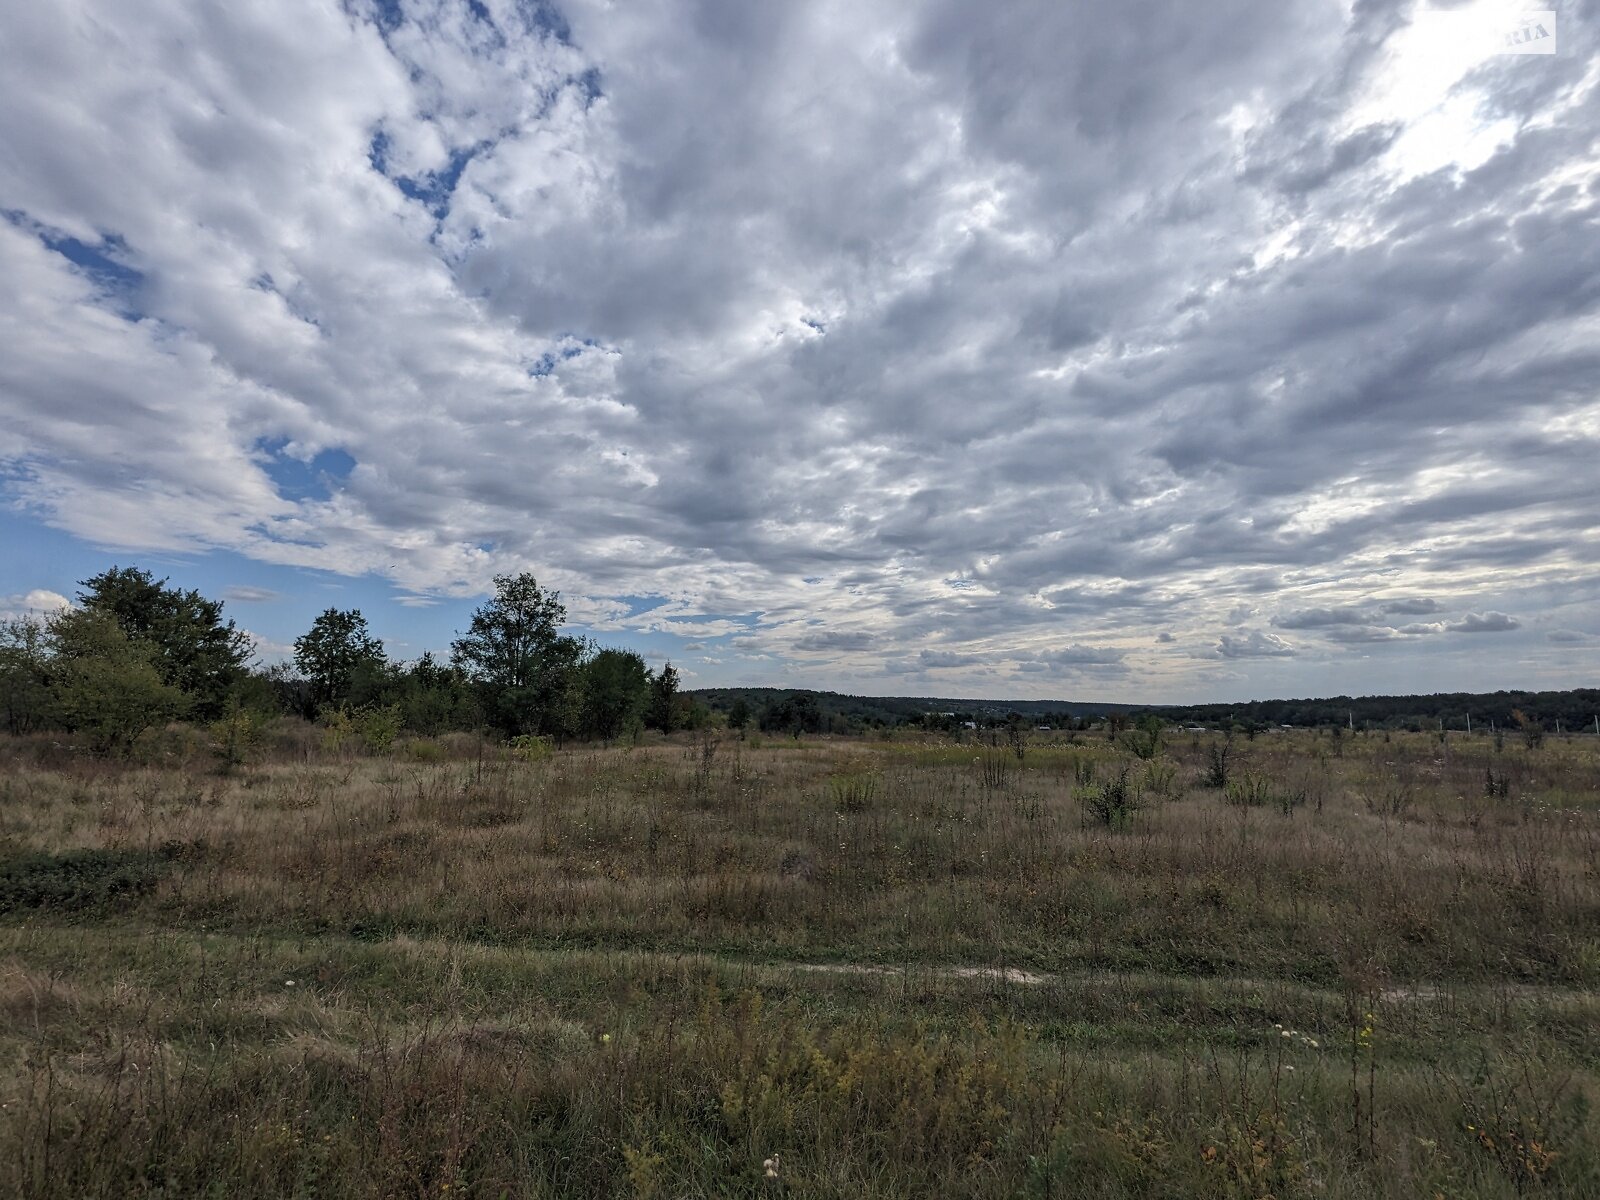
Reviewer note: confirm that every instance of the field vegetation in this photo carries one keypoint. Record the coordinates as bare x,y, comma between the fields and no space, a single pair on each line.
297,962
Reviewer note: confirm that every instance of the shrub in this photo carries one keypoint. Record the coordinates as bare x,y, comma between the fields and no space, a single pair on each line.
424,751
1113,803
1218,765
78,879
378,728
531,747
235,736
1144,741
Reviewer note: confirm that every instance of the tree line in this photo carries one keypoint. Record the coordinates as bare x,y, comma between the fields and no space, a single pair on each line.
135,652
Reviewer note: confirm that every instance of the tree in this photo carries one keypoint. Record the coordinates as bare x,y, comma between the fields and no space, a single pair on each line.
793,714
739,714
106,684
663,711
24,675
525,672
340,658
196,651
1144,739
435,697
616,689
1531,729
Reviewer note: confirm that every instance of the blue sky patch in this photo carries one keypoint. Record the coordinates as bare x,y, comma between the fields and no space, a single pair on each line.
105,262
299,480
387,14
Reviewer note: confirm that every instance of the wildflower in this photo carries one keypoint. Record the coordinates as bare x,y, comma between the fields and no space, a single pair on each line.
288,983
604,1038
771,1167
1288,1068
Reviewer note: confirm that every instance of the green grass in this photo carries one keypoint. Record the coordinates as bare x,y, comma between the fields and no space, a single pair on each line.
601,974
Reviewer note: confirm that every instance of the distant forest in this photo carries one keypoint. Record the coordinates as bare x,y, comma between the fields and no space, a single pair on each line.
784,710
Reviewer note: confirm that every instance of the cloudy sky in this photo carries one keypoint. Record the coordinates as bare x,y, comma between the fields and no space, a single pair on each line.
1161,351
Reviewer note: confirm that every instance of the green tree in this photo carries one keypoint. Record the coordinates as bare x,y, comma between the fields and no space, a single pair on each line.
435,696
341,660
24,675
616,689
792,714
196,650
739,714
1144,739
106,684
663,711
526,673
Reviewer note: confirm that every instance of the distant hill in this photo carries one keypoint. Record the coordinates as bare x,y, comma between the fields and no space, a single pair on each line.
1573,710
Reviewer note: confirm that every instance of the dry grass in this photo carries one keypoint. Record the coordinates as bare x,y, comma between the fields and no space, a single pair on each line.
579,976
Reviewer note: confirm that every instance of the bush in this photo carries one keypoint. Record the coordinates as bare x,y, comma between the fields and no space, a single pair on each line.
530,747
378,728
235,736
1114,802
1144,741
424,751
1218,766
78,879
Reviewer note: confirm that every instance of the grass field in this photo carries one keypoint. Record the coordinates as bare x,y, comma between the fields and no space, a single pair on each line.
1365,967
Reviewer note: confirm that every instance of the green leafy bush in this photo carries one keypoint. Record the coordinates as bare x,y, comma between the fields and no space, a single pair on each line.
79,879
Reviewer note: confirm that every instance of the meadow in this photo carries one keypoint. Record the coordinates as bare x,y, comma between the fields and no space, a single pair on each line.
1304,964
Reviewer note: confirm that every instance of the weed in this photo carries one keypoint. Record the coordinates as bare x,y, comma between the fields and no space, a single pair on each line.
852,791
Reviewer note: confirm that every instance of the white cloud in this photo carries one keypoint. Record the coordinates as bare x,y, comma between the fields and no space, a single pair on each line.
35,605
843,328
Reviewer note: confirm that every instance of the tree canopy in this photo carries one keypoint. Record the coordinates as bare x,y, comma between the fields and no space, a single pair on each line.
340,658
524,669
195,649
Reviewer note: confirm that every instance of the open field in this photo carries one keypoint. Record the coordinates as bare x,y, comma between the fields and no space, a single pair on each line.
1365,967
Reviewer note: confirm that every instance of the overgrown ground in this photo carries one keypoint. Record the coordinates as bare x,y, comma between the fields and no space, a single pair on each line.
1363,969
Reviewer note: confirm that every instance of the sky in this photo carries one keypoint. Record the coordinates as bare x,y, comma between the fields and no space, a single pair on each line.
1161,352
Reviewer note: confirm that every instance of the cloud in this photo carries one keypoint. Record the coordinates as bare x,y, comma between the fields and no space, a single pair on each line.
1078,655
1255,644
269,651
35,605
1363,634
1416,604
1568,637
245,594
1489,622
1321,618
790,315
941,658
833,642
